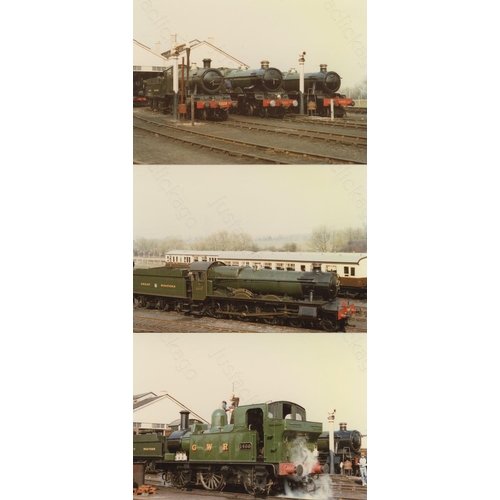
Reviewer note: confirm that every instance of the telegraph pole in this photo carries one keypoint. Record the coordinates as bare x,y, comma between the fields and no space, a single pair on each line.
176,79
302,60
331,435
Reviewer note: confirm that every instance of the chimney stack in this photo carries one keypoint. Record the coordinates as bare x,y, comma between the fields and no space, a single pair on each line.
184,420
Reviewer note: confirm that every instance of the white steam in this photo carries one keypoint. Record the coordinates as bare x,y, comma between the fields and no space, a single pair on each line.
320,487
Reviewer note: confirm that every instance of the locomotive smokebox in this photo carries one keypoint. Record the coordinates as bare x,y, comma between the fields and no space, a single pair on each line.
322,68
174,440
184,420
264,65
206,63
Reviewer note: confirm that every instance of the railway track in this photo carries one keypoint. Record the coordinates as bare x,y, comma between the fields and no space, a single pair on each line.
338,491
337,122
257,152
350,140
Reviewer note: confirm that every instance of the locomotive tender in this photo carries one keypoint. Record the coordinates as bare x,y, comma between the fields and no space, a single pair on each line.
320,88
241,292
204,85
265,448
258,91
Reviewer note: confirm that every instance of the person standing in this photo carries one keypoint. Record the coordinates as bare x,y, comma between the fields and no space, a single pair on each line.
362,468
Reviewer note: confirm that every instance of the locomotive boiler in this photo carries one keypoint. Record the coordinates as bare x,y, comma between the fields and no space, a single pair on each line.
243,293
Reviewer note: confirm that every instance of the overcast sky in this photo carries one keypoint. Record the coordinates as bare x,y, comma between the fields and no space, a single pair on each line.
331,32
321,372
195,201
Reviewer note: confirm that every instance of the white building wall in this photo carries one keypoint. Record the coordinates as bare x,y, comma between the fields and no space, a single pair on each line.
147,59
158,412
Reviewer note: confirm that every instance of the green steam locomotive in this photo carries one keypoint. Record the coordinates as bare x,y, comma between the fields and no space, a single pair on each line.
266,448
244,293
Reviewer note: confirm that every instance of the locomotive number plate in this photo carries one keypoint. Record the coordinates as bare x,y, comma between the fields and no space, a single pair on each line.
245,446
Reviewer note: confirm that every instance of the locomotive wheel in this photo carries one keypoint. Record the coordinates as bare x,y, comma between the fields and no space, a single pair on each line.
310,486
212,308
328,325
257,488
244,310
212,481
263,112
249,110
275,320
180,478
295,322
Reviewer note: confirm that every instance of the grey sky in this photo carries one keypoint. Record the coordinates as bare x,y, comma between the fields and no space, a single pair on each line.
261,200
320,371
331,32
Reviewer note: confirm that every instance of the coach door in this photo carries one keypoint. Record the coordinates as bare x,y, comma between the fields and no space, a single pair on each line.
199,285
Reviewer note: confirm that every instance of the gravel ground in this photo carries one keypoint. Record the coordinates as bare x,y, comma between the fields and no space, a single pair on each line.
154,149
161,321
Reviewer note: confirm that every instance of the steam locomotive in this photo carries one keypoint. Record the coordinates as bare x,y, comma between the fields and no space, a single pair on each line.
320,89
241,292
258,91
204,85
267,448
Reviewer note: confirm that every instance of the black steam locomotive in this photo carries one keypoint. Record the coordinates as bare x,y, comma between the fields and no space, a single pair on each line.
205,86
258,91
320,89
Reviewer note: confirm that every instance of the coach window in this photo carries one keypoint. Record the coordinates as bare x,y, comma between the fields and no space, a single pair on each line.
280,266
353,271
268,265
302,268
346,270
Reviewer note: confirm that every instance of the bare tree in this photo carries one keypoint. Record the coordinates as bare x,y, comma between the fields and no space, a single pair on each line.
321,239
289,247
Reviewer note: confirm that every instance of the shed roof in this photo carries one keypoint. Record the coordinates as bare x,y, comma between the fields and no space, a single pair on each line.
217,55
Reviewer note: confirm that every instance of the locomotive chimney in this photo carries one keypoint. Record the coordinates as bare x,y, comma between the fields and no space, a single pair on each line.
206,63
184,420
343,426
316,266
322,68
264,65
